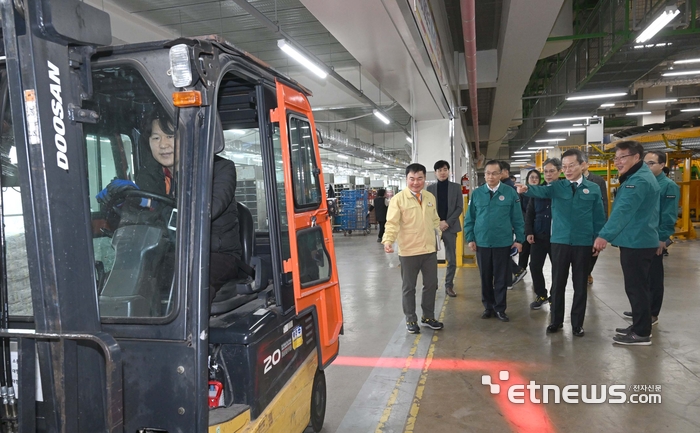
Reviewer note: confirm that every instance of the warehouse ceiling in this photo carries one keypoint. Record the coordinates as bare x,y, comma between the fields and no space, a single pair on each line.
372,45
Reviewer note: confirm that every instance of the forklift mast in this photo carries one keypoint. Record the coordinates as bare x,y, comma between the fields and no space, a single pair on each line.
47,47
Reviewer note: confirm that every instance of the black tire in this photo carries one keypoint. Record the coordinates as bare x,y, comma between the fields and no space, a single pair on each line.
318,402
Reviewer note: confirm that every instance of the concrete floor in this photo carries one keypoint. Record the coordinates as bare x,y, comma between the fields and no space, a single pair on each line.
386,380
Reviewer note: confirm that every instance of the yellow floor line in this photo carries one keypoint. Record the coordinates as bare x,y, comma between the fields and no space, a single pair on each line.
413,413
395,393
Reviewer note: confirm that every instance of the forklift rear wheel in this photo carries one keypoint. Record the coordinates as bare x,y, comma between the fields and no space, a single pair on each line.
318,402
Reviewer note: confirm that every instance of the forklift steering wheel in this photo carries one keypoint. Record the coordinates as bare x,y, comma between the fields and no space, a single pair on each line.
111,205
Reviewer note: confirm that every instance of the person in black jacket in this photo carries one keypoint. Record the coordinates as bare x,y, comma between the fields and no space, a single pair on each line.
534,177
380,208
538,229
157,173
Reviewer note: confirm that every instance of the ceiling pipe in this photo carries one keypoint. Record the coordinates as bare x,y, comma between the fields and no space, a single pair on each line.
275,27
340,142
469,33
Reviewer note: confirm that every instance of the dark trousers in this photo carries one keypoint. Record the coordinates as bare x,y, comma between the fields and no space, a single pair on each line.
579,259
450,241
524,255
222,269
538,253
656,284
426,264
494,268
381,229
636,263
593,261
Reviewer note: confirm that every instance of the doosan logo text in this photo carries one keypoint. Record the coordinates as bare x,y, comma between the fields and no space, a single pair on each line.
57,109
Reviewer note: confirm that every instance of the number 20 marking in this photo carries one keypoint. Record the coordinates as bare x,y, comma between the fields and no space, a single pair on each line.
272,360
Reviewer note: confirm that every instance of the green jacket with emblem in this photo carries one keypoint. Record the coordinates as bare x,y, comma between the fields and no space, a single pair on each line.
634,219
576,218
492,221
669,195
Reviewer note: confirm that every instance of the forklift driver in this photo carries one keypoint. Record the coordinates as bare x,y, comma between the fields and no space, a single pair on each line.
157,174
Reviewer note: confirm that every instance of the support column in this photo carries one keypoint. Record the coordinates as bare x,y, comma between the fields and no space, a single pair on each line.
658,111
433,141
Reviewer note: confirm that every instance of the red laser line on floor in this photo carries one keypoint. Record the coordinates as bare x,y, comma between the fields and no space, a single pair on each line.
524,417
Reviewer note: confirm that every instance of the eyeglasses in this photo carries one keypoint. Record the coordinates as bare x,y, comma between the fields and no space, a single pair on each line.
570,166
621,157
652,163
492,173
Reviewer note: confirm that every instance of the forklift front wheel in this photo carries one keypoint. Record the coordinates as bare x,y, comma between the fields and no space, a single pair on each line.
318,402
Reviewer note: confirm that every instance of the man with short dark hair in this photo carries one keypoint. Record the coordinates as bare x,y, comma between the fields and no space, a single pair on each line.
577,217
669,194
633,227
493,218
449,206
412,220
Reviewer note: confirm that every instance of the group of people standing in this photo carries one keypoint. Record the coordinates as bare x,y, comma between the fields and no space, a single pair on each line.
564,219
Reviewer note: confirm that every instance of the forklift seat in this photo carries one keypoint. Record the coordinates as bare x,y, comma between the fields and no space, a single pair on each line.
241,290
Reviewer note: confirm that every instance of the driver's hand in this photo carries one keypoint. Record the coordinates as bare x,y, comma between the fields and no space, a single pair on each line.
115,187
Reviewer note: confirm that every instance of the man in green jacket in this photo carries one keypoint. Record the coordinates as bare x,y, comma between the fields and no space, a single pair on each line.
669,194
577,217
633,226
493,217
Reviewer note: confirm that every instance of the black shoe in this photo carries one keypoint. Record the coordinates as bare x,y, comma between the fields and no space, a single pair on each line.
627,314
487,314
632,339
432,323
379,240
578,332
450,292
412,328
537,303
502,317
519,276
551,329
625,331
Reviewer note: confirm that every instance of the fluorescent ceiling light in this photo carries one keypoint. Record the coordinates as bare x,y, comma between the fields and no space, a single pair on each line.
302,59
549,140
687,110
341,156
663,101
678,73
595,96
637,113
381,116
552,131
607,104
541,147
659,23
686,61
367,161
409,139
524,151
568,119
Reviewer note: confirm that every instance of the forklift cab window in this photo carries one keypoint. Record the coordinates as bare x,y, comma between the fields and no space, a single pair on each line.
307,189
132,185
15,251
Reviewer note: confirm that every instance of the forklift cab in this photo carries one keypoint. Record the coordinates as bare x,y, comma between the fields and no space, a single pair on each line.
257,353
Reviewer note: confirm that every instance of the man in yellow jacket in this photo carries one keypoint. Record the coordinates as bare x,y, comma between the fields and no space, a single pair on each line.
412,221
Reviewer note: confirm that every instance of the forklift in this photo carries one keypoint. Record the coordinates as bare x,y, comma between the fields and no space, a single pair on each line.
107,320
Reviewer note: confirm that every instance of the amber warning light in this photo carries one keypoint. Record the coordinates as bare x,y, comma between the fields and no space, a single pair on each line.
190,98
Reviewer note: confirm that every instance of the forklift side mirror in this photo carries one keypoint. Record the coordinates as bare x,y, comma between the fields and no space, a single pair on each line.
66,20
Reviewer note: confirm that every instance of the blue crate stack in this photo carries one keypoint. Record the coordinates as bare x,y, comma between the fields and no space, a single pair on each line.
354,208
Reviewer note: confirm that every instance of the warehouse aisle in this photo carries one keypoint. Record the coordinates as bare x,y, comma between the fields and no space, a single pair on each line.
387,380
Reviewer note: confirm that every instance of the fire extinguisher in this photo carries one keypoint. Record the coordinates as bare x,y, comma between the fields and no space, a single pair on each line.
465,185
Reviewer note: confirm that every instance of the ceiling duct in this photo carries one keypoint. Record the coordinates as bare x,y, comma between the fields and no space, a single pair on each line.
337,141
